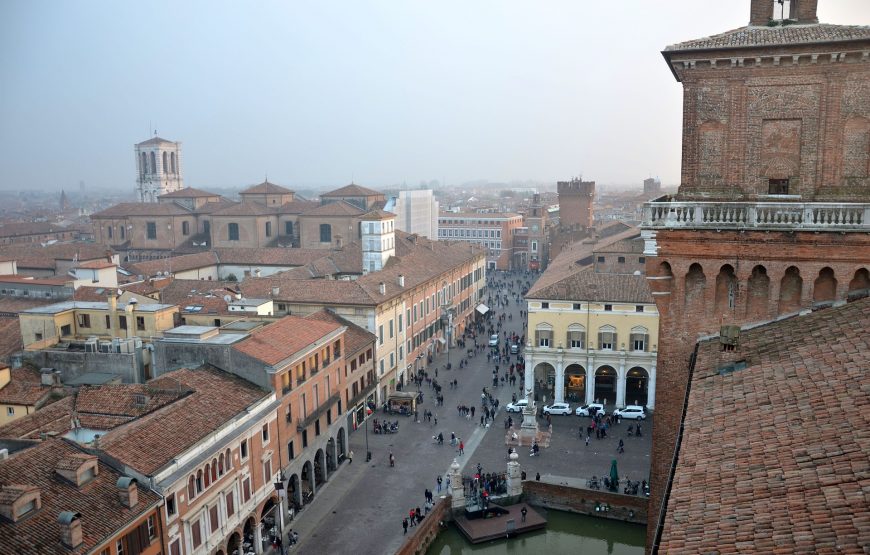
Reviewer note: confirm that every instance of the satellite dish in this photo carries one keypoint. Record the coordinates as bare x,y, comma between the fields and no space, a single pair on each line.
227,298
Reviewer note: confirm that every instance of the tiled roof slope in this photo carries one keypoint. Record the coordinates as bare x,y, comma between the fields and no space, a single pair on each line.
352,190
775,458
56,417
124,209
98,502
150,442
181,263
751,36
10,336
188,192
266,188
284,338
568,261
337,208
122,399
355,337
588,285
155,141
25,388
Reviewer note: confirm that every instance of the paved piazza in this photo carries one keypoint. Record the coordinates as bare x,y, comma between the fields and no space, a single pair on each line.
360,509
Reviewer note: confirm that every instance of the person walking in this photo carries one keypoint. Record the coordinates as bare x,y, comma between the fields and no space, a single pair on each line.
461,447
404,526
525,511
439,480
350,457
587,440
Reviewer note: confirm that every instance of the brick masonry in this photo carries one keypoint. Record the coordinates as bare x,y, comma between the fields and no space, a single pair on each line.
628,508
425,533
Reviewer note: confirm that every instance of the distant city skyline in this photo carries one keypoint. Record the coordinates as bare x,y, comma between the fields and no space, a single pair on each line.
322,94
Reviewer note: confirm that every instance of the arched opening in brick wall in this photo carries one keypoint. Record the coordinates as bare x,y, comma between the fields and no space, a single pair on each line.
575,383
825,286
696,283
605,385
637,386
726,290
860,281
757,293
790,290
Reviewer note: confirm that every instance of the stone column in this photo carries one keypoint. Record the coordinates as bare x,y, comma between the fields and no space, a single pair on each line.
651,388
590,379
258,538
514,476
529,386
560,382
620,385
457,489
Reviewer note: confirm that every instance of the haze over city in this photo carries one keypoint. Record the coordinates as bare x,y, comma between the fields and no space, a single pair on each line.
319,94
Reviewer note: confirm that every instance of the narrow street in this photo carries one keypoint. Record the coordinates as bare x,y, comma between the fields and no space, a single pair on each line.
361,508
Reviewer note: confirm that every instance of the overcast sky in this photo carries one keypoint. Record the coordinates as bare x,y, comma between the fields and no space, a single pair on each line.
317,93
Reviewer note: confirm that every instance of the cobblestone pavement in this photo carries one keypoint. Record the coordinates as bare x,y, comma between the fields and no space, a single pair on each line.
360,509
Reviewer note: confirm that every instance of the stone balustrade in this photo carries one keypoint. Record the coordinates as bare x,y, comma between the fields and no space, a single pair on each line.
802,216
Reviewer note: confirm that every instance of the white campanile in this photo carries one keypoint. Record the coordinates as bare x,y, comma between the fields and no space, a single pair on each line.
158,168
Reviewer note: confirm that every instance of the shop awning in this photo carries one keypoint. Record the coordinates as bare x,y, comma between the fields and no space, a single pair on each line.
441,340
482,308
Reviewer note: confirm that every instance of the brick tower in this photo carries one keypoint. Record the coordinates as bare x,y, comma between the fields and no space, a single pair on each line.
773,210
575,203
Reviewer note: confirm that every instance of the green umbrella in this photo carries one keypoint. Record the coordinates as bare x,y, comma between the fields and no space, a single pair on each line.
614,475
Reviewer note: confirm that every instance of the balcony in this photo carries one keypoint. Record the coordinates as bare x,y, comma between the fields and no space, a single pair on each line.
359,397
301,425
774,216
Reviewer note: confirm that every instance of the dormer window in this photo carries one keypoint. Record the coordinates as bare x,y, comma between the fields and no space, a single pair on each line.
78,468
18,501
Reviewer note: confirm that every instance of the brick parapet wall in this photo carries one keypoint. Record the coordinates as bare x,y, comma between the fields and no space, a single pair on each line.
628,508
426,532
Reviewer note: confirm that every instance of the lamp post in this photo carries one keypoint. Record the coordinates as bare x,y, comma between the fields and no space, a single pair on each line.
368,453
282,494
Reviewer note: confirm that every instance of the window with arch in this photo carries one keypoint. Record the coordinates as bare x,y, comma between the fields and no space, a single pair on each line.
165,162
228,458
172,162
268,229
143,162
233,232
153,163
199,486
214,470
221,465
288,228
639,339
185,228
576,336
606,338
325,233
207,475
109,231
191,487
544,335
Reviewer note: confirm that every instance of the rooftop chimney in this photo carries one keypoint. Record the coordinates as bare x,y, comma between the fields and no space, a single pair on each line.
401,280
70,529
760,12
127,491
805,11
382,287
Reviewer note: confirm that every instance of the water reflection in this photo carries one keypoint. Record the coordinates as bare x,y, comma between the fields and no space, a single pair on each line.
565,533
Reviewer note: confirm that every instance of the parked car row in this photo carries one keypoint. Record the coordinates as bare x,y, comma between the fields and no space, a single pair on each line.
630,412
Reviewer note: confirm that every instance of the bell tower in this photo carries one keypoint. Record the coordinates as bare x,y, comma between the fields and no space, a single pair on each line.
158,168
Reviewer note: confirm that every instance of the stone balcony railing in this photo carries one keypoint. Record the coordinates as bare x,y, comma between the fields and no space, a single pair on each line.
799,216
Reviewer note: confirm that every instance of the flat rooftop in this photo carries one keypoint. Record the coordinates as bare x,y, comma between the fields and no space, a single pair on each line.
92,305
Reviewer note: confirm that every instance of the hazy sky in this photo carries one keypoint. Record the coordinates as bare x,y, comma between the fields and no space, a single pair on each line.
315,93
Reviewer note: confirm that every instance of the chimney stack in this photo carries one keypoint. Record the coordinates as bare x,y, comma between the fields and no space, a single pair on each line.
760,12
70,529
805,11
128,492
401,280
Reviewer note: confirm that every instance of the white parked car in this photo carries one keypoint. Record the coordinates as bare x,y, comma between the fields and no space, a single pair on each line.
515,349
493,340
558,408
518,406
589,410
631,412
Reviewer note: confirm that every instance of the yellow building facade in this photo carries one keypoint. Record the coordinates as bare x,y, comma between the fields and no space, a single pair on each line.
592,337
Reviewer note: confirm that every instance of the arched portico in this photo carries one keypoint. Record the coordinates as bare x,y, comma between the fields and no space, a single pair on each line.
605,384
545,381
331,456
341,442
637,386
575,383
320,467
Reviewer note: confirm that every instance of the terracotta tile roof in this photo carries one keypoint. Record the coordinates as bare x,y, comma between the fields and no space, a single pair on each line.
89,293
355,337
126,209
269,256
154,440
10,337
56,417
775,457
477,215
314,291
751,36
337,208
98,502
14,305
204,304
297,206
188,192
148,287
588,285
18,229
378,215
127,400
37,256
247,208
214,206
155,141
282,339
23,393
352,190
181,263
635,245
575,257
266,188
97,264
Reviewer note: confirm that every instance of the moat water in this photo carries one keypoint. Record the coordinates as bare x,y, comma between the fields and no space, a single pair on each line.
565,533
